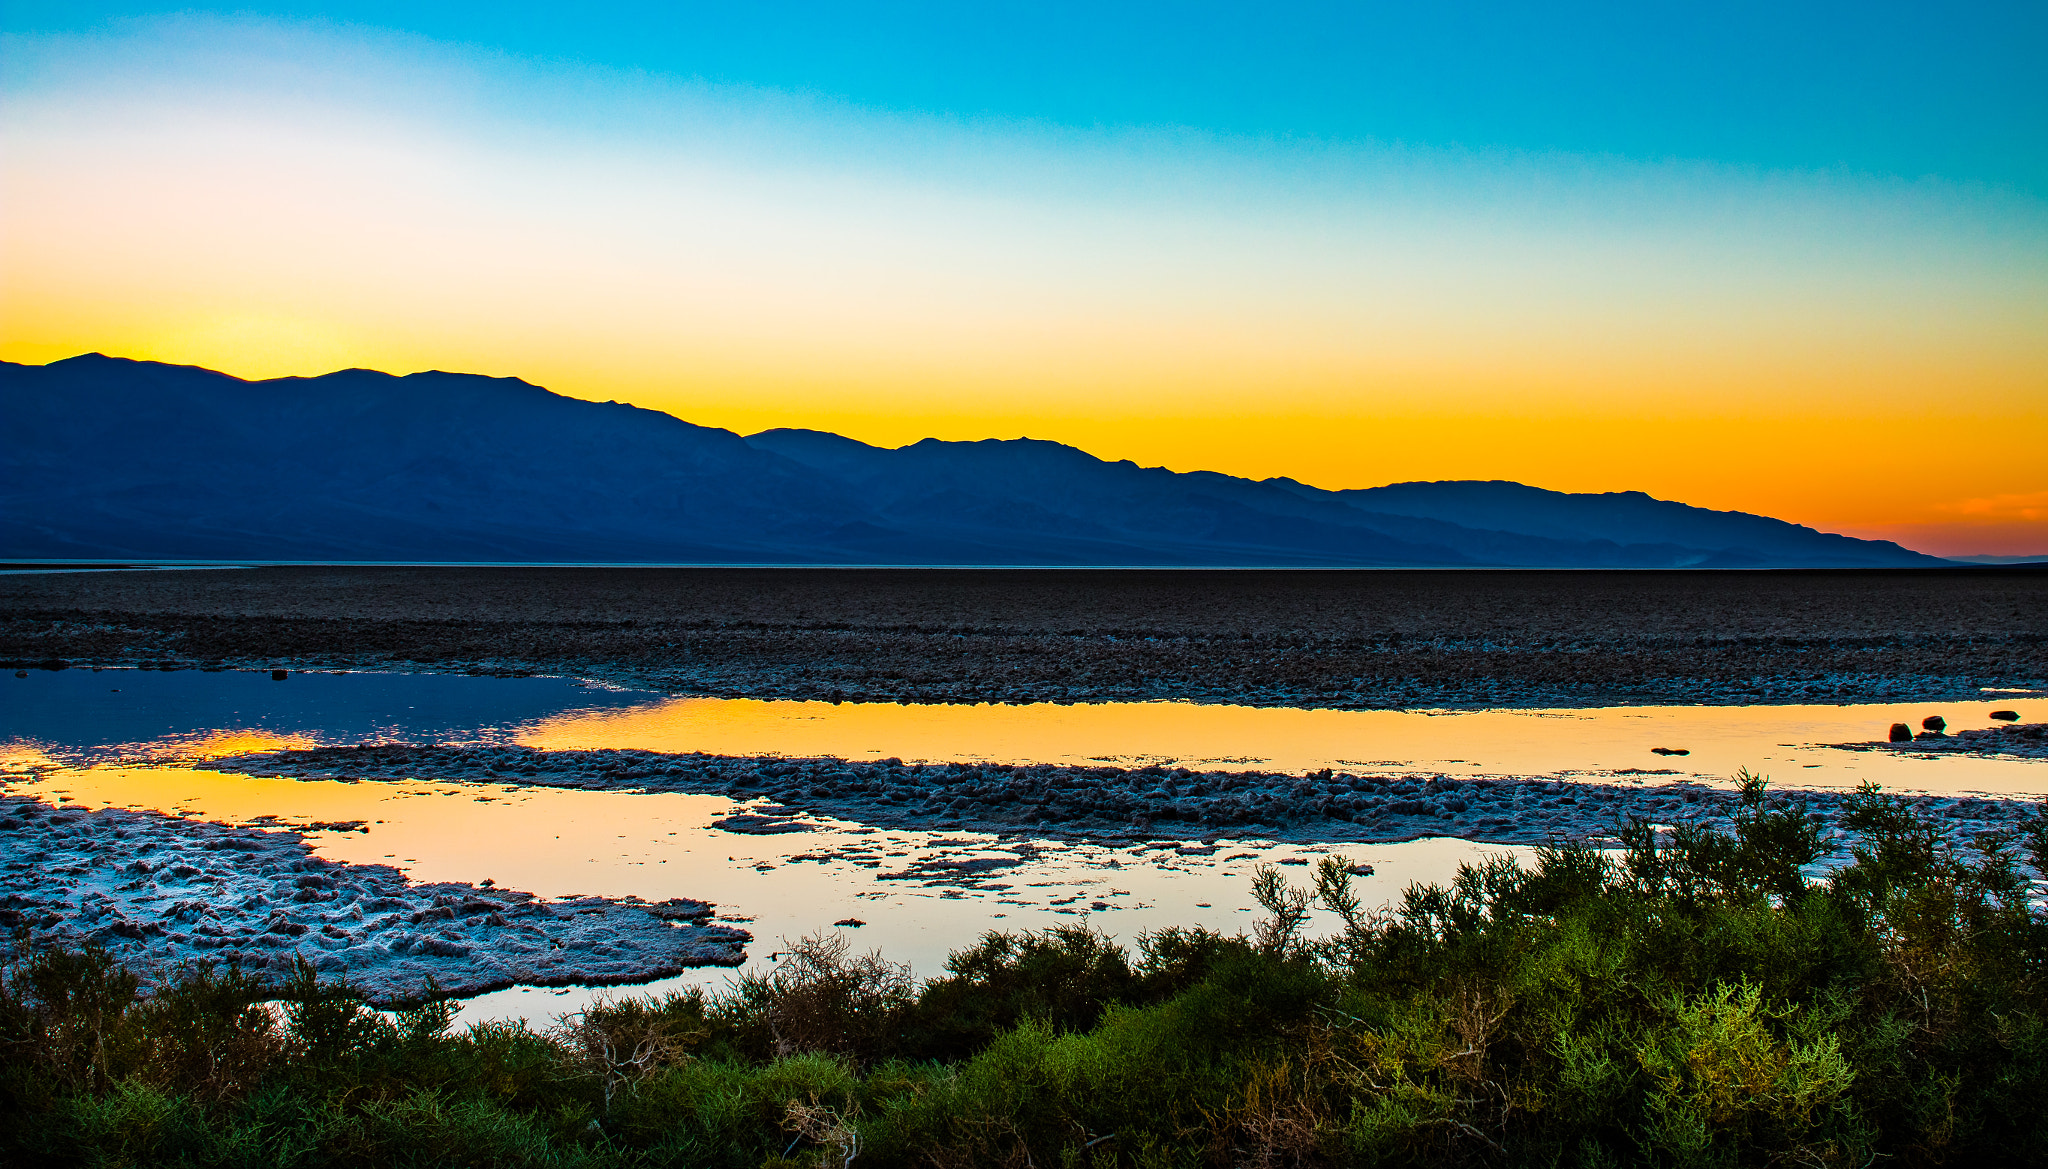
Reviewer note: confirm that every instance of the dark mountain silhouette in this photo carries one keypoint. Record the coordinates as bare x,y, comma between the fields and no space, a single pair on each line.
106,457
109,458
1622,517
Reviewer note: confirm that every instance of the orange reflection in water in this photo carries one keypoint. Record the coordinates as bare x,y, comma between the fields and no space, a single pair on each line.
543,840
224,744
1783,741
195,747
23,755
558,842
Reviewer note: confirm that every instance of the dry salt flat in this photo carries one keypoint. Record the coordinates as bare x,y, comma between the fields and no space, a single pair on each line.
160,891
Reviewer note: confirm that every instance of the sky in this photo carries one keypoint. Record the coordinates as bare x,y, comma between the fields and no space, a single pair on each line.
1788,258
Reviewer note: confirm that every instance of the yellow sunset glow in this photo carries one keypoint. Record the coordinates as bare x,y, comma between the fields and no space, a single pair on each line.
1861,356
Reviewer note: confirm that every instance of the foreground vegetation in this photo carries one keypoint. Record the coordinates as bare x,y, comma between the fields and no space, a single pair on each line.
1691,999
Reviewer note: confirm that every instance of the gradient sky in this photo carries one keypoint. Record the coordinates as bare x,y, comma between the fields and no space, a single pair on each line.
1791,259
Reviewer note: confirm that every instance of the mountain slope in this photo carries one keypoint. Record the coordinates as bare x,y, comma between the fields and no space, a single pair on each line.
118,458
1623,517
934,485
108,458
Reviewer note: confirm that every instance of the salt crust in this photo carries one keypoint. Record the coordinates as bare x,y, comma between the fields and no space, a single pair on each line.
159,892
1155,802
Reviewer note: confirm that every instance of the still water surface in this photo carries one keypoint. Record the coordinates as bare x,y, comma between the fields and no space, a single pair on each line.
85,715
140,739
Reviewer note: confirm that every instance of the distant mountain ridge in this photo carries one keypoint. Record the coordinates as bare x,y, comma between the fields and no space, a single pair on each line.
110,458
1622,517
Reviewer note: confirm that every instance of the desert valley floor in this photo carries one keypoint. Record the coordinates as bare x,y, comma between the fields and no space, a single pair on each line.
532,784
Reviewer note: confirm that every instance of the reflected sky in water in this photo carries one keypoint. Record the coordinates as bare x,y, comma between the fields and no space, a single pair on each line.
559,843
1781,740
86,716
140,739
92,713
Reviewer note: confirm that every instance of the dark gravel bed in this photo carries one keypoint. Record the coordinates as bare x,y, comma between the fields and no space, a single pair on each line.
1317,639
1148,802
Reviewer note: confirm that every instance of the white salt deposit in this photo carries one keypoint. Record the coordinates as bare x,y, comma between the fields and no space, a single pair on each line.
158,892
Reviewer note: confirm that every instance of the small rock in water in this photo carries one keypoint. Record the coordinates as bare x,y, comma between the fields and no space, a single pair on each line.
2006,716
850,922
681,909
1670,751
759,825
1361,870
1934,723
279,675
1901,733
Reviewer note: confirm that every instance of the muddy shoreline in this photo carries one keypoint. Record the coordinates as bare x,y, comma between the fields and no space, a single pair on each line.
1355,640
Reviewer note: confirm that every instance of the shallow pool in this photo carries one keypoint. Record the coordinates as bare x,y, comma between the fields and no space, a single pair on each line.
86,715
141,738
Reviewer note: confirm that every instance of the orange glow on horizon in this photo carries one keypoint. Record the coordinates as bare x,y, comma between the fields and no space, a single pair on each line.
1862,357
1888,474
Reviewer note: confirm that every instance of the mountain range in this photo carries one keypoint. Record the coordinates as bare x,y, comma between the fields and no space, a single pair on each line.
107,458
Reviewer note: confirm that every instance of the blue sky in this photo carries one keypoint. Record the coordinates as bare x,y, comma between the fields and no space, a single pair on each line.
1954,91
1769,258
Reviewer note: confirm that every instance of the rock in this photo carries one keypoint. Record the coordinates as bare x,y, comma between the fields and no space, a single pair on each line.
850,922
1901,733
1934,723
2006,716
749,825
279,675
1670,751
681,909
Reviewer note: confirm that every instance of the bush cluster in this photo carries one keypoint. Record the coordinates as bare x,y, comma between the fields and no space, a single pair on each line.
1696,997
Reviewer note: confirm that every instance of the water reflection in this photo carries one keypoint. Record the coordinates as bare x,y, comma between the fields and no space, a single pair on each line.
906,887
140,739
83,716
1781,740
87,714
